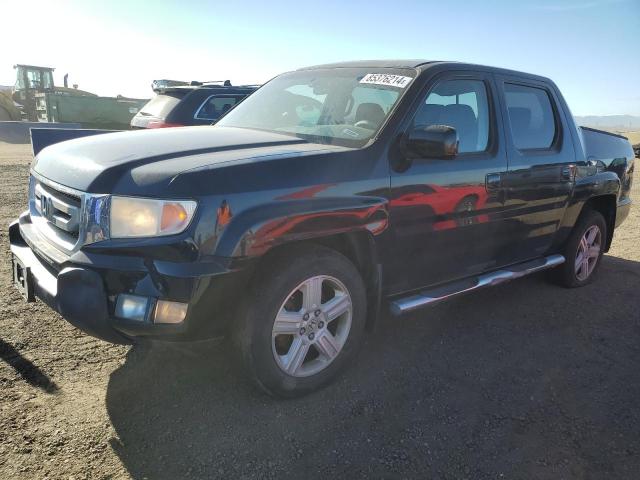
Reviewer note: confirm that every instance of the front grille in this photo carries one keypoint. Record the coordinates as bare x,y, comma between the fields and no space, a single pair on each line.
61,210
67,218
56,212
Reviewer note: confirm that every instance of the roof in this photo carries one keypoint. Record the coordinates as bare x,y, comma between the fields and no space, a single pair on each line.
219,88
373,64
422,65
33,66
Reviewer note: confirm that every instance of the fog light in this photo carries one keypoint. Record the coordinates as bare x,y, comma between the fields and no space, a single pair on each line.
169,312
132,307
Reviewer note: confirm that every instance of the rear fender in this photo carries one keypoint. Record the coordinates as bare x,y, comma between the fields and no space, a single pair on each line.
588,188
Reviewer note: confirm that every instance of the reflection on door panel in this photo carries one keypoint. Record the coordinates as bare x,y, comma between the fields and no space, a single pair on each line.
537,187
444,203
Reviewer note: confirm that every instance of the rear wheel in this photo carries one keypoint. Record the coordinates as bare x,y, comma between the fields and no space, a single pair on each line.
583,251
305,321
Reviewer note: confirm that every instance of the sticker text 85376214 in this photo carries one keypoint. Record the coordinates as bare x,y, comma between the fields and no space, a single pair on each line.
388,80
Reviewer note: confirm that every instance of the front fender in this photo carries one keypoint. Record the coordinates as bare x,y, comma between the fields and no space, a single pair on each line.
255,231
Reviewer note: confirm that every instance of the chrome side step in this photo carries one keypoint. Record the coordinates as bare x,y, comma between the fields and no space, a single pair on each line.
438,294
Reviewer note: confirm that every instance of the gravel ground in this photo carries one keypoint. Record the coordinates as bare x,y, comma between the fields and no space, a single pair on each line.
526,380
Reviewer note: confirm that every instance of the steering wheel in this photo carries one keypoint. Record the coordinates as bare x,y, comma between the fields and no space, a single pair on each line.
365,124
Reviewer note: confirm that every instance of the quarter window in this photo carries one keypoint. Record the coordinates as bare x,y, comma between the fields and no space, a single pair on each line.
215,107
531,116
463,105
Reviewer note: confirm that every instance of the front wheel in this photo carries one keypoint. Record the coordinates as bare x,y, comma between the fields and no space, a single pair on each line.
305,321
583,251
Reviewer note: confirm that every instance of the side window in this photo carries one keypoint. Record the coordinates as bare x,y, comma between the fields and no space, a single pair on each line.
531,117
463,105
34,79
214,107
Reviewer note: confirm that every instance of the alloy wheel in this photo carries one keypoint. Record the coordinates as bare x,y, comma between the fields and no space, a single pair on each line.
588,252
312,326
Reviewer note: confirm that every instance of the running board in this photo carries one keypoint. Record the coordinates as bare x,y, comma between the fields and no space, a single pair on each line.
438,294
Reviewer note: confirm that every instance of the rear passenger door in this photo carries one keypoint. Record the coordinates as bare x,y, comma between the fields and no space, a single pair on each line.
541,167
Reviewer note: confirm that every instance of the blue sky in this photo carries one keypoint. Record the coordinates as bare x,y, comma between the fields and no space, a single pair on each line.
590,48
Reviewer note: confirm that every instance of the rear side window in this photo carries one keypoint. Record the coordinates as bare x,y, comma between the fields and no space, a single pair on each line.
463,105
160,105
531,117
216,106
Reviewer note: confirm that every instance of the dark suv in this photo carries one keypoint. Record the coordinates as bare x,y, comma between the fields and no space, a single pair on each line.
331,194
193,104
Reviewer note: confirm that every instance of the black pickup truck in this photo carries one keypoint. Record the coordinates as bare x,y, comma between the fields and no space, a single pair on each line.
332,194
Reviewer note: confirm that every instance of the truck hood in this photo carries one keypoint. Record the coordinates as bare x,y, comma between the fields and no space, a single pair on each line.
138,161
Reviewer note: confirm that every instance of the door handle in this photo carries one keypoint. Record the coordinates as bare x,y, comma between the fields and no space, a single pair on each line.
493,181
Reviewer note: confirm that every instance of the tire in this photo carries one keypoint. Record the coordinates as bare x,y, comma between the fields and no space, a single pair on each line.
302,358
573,272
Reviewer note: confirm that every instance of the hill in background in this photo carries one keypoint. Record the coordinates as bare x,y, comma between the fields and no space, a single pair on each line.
626,125
610,121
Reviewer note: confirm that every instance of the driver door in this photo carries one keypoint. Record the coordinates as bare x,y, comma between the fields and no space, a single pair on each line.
446,213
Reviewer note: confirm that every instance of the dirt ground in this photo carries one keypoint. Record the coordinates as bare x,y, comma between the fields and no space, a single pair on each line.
526,380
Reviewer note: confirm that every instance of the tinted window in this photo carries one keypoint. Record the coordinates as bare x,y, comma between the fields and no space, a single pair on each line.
463,105
216,106
160,105
530,116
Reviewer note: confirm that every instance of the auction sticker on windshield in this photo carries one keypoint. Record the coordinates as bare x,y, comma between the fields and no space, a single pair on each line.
386,79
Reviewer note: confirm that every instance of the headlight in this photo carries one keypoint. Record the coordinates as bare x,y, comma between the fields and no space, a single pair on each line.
142,217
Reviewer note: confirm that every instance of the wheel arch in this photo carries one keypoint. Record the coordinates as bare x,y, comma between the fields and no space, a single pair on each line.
359,247
599,193
347,225
606,205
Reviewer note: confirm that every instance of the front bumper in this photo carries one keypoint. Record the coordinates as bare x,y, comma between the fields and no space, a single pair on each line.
84,286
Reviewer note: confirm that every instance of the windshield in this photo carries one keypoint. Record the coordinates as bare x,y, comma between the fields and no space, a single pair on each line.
342,106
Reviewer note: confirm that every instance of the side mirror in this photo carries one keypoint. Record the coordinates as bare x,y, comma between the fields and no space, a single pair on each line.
432,141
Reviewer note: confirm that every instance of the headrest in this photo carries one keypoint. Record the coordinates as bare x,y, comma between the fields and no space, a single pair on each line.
458,115
429,114
371,112
462,118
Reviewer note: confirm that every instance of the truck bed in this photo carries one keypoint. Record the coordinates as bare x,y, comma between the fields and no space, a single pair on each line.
601,145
